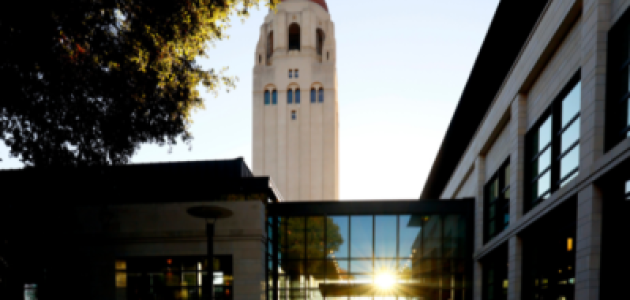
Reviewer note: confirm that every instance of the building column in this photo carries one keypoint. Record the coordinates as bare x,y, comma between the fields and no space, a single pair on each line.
479,175
518,128
588,243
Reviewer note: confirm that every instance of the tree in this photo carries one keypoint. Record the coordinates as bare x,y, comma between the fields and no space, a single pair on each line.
85,82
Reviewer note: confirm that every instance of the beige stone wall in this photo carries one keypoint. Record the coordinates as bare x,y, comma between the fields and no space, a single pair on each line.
165,229
498,153
300,155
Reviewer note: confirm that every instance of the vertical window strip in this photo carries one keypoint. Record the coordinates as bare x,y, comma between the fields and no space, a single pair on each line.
554,147
321,95
313,95
289,96
267,97
497,202
297,96
274,97
291,74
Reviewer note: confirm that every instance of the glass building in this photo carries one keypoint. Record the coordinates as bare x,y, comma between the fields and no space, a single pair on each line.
362,250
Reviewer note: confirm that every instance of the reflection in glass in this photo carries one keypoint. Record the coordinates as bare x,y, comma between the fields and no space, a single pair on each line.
569,162
361,266
385,236
541,163
542,137
315,237
361,236
541,186
409,235
570,136
571,104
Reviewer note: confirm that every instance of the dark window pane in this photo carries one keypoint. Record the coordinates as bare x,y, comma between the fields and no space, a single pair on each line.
290,74
297,96
267,98
454,236
337,236
361,236
569,162
541,186
541,163
295,238
313,95
274,97
571,104
315,237
385,235
315,266
297,73
507,175
410,230
542,136
570,136
290,96
321,95
432,237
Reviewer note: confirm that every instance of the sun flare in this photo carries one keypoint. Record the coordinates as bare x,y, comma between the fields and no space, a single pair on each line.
385,280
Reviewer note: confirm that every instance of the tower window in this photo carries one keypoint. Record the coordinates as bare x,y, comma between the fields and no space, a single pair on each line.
291,74
296,73
259,59
267,98
320,40
297,96
293,115
294,37
321,95
270,45
274,97
290,96
313,95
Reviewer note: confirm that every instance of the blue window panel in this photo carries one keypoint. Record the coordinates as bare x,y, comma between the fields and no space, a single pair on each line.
290,96
297,96
267,98
321,95
313,95
291,74
293,115
274,98
297,73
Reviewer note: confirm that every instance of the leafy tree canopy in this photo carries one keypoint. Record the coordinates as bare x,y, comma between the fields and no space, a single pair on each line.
85,82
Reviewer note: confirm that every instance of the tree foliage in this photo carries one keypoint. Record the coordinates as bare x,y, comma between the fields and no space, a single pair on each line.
85,82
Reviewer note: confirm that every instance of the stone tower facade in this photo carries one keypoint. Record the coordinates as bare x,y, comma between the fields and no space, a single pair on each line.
295,110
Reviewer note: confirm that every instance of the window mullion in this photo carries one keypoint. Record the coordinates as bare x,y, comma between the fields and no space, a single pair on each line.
556,124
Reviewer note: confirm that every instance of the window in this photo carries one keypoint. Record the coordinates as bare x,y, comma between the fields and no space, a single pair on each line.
497,202
269,45
293,115
495,274
321,95
297,96
628,190
267,97
320,40
294,37
297,73
618,94
313,95
259,59
274,97
173,277
553,146
291,74
289,96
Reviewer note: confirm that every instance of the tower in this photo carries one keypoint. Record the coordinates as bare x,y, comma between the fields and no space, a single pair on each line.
295,110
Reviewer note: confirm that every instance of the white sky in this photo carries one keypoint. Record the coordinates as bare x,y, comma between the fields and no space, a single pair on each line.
401,70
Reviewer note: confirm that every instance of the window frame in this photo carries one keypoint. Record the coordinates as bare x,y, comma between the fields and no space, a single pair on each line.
501,203
617,114
554,111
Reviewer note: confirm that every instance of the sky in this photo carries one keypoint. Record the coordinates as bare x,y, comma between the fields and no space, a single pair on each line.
401,66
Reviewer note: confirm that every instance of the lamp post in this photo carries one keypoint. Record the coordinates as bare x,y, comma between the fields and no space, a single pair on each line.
211,214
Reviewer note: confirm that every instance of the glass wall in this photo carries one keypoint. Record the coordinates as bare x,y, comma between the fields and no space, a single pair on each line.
366,256
180,278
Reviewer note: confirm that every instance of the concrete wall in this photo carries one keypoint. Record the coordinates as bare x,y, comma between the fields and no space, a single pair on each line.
300,155
165,229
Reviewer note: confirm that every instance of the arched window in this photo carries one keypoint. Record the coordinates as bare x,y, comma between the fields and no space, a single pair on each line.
297,96
274,97
294,37
321,95
313,95
267,97
320,40
291,74
270,45
296,73
289,96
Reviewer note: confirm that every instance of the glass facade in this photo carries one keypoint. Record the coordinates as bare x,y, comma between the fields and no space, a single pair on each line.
365,256
180,278
554,146
618,110
495,274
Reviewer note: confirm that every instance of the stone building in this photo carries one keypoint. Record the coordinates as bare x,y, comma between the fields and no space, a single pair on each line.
295,110
539,140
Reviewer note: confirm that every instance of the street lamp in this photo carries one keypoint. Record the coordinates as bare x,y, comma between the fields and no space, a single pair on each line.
211,214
